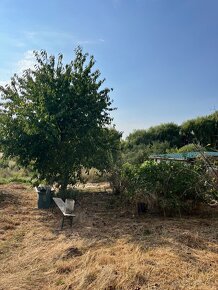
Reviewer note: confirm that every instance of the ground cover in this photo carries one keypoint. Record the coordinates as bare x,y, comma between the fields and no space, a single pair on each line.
107,248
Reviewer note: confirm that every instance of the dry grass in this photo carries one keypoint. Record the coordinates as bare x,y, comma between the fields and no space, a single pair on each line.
104,250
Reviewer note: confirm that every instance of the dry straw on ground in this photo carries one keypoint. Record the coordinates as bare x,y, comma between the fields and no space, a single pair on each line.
104,250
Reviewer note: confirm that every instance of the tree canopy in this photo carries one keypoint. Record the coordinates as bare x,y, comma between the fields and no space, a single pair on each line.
56,117
202,130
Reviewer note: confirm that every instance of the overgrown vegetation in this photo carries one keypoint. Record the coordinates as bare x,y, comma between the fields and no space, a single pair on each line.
171,187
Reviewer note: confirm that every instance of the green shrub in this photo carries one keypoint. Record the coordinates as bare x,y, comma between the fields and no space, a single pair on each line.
174,186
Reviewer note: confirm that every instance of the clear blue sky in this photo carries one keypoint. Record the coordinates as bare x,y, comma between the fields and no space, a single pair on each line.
160,56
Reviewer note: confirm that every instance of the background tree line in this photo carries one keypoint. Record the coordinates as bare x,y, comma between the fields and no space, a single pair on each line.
171,137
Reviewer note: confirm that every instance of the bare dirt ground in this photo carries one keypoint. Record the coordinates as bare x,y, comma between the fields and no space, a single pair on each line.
105,249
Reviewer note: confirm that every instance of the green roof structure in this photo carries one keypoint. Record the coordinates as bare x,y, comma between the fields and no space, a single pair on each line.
186,156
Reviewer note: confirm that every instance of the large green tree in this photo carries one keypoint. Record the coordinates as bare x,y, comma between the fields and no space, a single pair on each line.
56,117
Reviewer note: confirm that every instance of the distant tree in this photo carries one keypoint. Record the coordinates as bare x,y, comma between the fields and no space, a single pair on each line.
168,132
203,130
55,117
136,137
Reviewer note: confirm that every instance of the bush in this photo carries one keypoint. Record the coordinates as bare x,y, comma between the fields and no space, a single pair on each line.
170,186
137,154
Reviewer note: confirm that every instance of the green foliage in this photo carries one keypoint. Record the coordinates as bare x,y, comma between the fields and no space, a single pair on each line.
187,148
174,186
203,130
55,118
137,137
137,154
133,154
168,132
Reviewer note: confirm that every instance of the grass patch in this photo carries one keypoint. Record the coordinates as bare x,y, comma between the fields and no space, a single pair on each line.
11,172
26,180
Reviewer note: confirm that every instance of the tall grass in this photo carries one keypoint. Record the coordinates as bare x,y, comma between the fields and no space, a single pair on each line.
11,172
